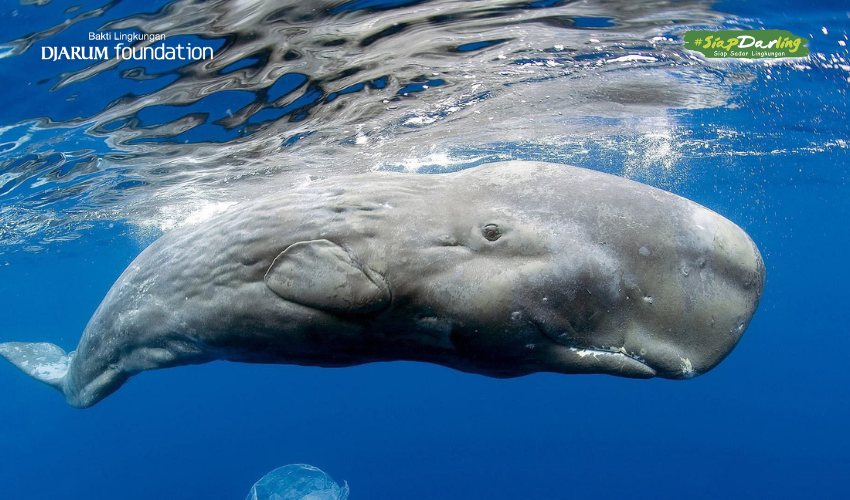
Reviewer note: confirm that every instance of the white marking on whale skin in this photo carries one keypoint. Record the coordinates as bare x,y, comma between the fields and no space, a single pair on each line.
52,371
44,362
617,352
687,368
584,352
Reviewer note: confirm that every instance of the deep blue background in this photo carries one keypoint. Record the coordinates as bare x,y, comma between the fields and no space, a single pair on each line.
770,422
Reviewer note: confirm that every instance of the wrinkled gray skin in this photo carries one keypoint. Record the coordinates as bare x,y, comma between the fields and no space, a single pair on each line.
504,270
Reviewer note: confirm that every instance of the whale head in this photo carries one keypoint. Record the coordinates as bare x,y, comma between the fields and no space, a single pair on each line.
538,267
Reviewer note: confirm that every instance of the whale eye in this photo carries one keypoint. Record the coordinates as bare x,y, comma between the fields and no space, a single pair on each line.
491,232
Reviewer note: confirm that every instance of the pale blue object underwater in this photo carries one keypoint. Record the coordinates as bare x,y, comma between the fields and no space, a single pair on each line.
297,482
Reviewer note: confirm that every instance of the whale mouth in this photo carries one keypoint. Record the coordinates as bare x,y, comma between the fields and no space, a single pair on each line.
616,362
612,361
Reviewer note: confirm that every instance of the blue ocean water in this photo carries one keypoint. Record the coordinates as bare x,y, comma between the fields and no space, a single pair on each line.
95,163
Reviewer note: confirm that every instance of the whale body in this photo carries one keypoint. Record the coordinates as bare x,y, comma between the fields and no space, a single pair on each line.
505,269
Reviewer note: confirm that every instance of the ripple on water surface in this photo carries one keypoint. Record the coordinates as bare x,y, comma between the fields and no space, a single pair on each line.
333,87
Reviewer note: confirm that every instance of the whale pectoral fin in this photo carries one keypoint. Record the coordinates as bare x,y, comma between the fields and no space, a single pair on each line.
322,275
44,362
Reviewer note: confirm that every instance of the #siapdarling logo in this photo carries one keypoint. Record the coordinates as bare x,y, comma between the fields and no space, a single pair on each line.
746,44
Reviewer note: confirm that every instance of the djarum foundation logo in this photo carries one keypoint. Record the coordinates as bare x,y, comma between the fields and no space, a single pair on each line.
746,44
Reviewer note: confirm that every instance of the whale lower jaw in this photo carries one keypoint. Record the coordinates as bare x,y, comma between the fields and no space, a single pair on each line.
612,362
